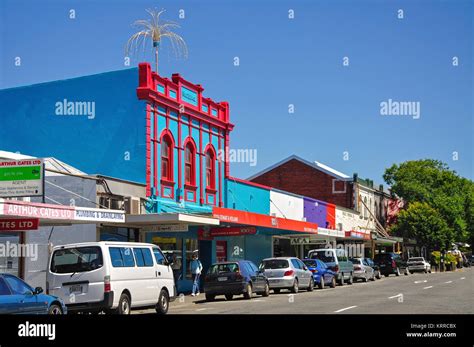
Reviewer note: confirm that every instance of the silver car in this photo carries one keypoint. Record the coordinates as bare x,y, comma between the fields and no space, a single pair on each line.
287,273
418,264
362,270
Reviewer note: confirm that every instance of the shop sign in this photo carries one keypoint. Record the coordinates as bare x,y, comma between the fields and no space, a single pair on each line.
167,228
21,178
358,234
209,234
299,241
19,224
46,211
99,215
163,240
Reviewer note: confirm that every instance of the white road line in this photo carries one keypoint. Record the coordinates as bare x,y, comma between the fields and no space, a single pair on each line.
395,296
258,300
344,309
463,278
428,287
202,309
421,281
449,282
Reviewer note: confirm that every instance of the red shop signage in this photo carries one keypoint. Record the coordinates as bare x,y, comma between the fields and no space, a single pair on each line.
12,224
231,231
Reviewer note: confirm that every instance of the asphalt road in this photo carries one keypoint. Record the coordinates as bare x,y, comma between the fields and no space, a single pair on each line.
445,293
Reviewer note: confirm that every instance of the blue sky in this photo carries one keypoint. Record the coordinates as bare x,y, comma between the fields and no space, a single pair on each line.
282,62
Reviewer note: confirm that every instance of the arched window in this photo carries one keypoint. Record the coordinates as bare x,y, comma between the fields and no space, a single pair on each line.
210,169
189,164
166,158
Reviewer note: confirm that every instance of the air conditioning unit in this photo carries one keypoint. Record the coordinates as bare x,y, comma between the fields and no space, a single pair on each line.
132,205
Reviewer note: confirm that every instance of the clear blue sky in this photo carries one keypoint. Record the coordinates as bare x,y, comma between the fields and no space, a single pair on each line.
283,62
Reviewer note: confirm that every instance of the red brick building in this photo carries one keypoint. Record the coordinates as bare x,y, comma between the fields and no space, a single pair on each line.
311,179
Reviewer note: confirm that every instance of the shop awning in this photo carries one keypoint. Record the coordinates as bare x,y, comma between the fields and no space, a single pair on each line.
142,220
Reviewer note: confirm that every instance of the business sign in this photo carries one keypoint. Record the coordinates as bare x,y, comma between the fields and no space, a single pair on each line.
167,228
299,241
10,224
99,215
21,178
227,215
46,211
358,235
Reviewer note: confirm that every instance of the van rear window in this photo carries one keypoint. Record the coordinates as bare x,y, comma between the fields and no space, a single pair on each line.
324,256
80,259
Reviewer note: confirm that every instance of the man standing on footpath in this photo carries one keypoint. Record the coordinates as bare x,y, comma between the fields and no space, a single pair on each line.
196,269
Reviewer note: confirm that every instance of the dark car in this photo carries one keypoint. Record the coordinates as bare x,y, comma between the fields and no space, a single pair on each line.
18,297
391,264
374,266
235,278
322,274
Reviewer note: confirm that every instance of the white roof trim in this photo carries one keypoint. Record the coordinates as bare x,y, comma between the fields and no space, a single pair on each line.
317,165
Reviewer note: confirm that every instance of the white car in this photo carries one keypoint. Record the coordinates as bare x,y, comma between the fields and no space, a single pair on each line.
113,277
418,264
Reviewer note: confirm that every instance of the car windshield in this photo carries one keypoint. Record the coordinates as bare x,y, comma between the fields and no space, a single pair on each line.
415,259
78,259
355,261
310,263
223,268
324,256
275,264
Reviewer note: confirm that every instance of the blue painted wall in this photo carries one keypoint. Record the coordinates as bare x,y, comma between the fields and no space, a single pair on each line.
29,123
246,197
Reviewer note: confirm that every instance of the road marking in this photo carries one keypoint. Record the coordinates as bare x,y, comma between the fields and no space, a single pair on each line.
449,282
428,287
463,278
395,296
202,309
421,281
344,309
258,300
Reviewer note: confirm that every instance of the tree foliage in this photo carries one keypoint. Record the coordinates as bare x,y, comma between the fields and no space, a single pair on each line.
433,184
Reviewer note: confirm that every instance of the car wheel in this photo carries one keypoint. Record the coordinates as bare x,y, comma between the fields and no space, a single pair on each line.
351,279
248,292
311,285
407,272
229,297
379,275
386,275
397,272
276,291
123,305
429,271
295,287
333,282
210,297
366,279
163,302
266,292
341,280
55,309
373,276
321,283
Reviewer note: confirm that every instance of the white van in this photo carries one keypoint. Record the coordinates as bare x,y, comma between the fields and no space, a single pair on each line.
109,276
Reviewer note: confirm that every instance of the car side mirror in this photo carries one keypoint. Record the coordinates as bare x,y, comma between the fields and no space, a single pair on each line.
38,290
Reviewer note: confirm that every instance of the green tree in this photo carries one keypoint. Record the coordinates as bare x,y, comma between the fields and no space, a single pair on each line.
431,182
424,224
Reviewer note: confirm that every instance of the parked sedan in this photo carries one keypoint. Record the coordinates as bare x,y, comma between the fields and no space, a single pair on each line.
418,264
362,270
287,273
18,297
235,278
322,274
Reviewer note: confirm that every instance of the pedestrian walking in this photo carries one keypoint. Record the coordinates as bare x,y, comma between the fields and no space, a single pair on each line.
196,269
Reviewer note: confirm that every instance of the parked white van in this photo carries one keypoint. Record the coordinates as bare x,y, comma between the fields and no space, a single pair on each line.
109,276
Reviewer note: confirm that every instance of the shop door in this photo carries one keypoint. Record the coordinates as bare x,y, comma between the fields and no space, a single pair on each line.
221,251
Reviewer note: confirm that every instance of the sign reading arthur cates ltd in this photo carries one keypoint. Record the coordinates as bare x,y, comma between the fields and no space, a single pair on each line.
21,178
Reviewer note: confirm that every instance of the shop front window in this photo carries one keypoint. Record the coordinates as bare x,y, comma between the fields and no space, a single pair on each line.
9,264
191,247
108,233
172,249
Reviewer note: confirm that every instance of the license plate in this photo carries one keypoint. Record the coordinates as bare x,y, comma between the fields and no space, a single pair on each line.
77,288
382,265
222,279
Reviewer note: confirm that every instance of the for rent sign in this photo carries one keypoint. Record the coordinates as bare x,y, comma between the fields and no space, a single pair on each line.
21,178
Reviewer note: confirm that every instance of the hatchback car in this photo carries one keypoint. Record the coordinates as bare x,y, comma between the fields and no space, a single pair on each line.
362,269
18,297
235,278
418,264
391,263
323,276
287,273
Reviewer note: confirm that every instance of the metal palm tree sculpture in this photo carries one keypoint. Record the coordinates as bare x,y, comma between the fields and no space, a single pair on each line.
156,29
